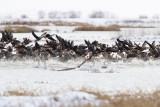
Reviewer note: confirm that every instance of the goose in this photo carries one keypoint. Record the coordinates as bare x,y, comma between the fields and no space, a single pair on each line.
56,47
37,38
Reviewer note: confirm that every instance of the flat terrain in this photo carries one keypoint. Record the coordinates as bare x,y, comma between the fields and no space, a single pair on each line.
37,86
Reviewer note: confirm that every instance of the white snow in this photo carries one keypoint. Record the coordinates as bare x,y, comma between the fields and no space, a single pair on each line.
127,77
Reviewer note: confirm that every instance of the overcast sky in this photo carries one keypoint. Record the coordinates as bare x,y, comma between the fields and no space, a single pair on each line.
121,8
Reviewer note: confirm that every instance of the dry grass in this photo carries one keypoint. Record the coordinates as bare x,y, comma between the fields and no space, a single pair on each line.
19,93
19,29
108,28
44,30
136,27
98,28
45,23
128,100
120,100
62,23
30,23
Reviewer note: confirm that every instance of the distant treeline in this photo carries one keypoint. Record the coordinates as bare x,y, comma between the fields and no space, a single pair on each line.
78,14
70,14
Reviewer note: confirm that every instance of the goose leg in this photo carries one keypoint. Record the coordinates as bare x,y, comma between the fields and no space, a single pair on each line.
36,62
38,59
44,62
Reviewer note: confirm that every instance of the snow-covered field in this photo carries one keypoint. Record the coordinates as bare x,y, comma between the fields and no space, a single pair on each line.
21,78
42,87
125,77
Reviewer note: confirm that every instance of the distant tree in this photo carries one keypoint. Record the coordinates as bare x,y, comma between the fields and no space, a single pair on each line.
69,14
97,14
155,17
52,15
41,14
143,17
24,16
73,14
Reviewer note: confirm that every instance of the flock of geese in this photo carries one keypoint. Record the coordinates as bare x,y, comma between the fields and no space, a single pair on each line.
55,46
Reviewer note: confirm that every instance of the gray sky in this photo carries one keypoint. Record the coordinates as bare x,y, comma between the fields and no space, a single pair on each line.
122,8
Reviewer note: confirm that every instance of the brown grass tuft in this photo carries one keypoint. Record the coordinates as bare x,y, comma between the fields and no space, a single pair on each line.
63,23
19,29
108,28
98,28
44,30
128,100
30,23
136,27
18,93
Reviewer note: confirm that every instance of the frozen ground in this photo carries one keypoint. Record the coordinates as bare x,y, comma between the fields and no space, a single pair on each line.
48,84
21,78
125,77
